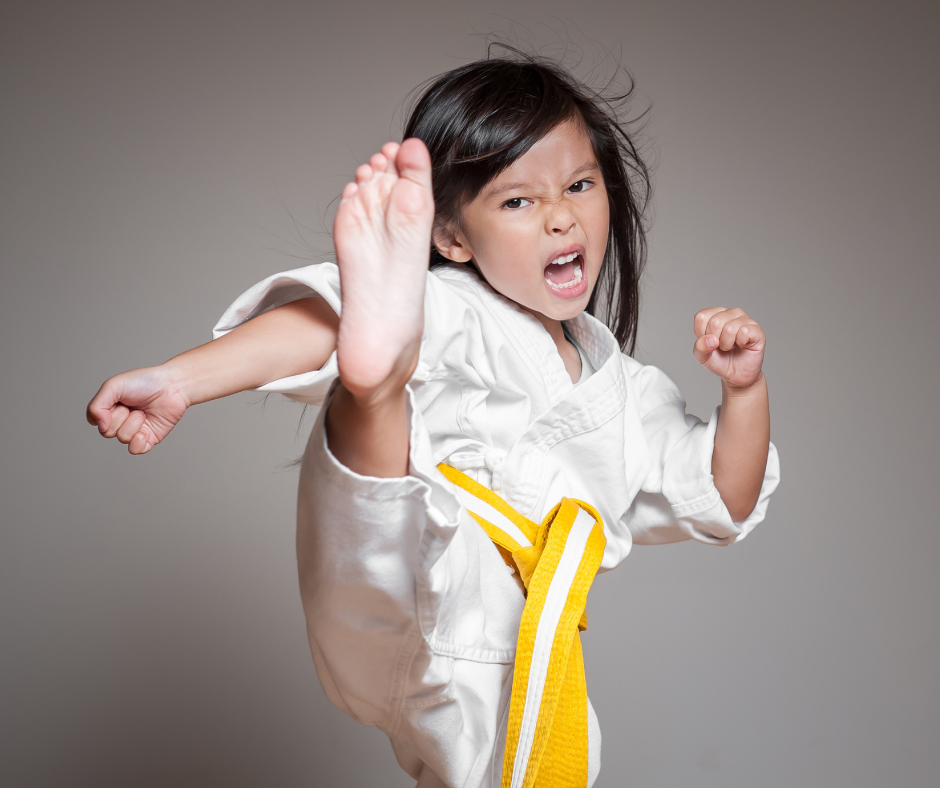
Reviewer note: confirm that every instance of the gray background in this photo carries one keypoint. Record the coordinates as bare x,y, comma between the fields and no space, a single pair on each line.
157,159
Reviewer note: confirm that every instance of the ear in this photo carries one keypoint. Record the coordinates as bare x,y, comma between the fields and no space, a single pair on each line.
451,243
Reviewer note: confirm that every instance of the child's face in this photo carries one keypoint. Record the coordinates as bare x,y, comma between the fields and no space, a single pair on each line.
550,205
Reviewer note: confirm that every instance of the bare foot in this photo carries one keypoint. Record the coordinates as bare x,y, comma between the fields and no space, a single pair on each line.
382,234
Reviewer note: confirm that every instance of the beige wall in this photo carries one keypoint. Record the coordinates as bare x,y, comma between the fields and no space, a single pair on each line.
151,158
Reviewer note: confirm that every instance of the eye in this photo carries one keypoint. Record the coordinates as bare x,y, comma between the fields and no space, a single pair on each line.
580,186
516,203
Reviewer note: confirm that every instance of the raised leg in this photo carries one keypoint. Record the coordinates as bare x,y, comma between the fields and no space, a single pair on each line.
382,235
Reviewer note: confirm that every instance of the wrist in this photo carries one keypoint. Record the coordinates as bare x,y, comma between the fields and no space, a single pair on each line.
757,387
178,382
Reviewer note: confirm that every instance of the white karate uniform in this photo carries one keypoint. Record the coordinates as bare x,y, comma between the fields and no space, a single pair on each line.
412,614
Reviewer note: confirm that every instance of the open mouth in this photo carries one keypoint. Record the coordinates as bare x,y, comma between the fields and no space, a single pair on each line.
564,272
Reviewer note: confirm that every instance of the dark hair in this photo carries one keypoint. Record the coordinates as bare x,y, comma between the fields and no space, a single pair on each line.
480,118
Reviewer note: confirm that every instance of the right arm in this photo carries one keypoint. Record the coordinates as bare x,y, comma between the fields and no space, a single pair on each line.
141,406
382,234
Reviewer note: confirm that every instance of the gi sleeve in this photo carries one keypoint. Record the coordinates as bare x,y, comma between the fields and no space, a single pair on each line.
678,499
363,547
321,280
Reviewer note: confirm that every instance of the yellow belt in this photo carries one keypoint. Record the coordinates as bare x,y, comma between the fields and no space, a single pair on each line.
546,737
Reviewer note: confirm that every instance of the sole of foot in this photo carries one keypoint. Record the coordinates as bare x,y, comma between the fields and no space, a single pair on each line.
382,235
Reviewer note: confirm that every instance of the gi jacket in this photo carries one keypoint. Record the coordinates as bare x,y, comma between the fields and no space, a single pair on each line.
412,614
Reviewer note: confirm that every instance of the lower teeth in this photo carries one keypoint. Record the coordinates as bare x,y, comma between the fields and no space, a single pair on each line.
576,280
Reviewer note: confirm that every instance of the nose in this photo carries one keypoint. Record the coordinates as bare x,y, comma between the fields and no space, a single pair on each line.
560,218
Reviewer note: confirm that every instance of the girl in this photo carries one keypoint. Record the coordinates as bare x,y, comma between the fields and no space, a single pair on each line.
487,388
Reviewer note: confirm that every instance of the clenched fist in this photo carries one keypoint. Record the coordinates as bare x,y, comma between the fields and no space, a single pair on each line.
730,344
139,408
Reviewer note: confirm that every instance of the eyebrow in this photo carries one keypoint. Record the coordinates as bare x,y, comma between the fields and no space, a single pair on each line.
584,169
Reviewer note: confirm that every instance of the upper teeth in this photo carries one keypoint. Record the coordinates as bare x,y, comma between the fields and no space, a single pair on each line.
565,259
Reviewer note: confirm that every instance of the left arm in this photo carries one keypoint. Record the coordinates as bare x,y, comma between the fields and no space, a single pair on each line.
731,345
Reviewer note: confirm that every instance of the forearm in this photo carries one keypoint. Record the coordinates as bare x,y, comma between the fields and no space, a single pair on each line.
294,338
742,441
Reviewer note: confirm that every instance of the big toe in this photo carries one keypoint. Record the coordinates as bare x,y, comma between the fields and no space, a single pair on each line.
414,162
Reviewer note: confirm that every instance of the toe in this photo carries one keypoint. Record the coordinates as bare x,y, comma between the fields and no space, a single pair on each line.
414,162
379,163
390,150
363,173
349,190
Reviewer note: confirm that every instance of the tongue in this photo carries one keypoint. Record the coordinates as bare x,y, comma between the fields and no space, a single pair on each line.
561,274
